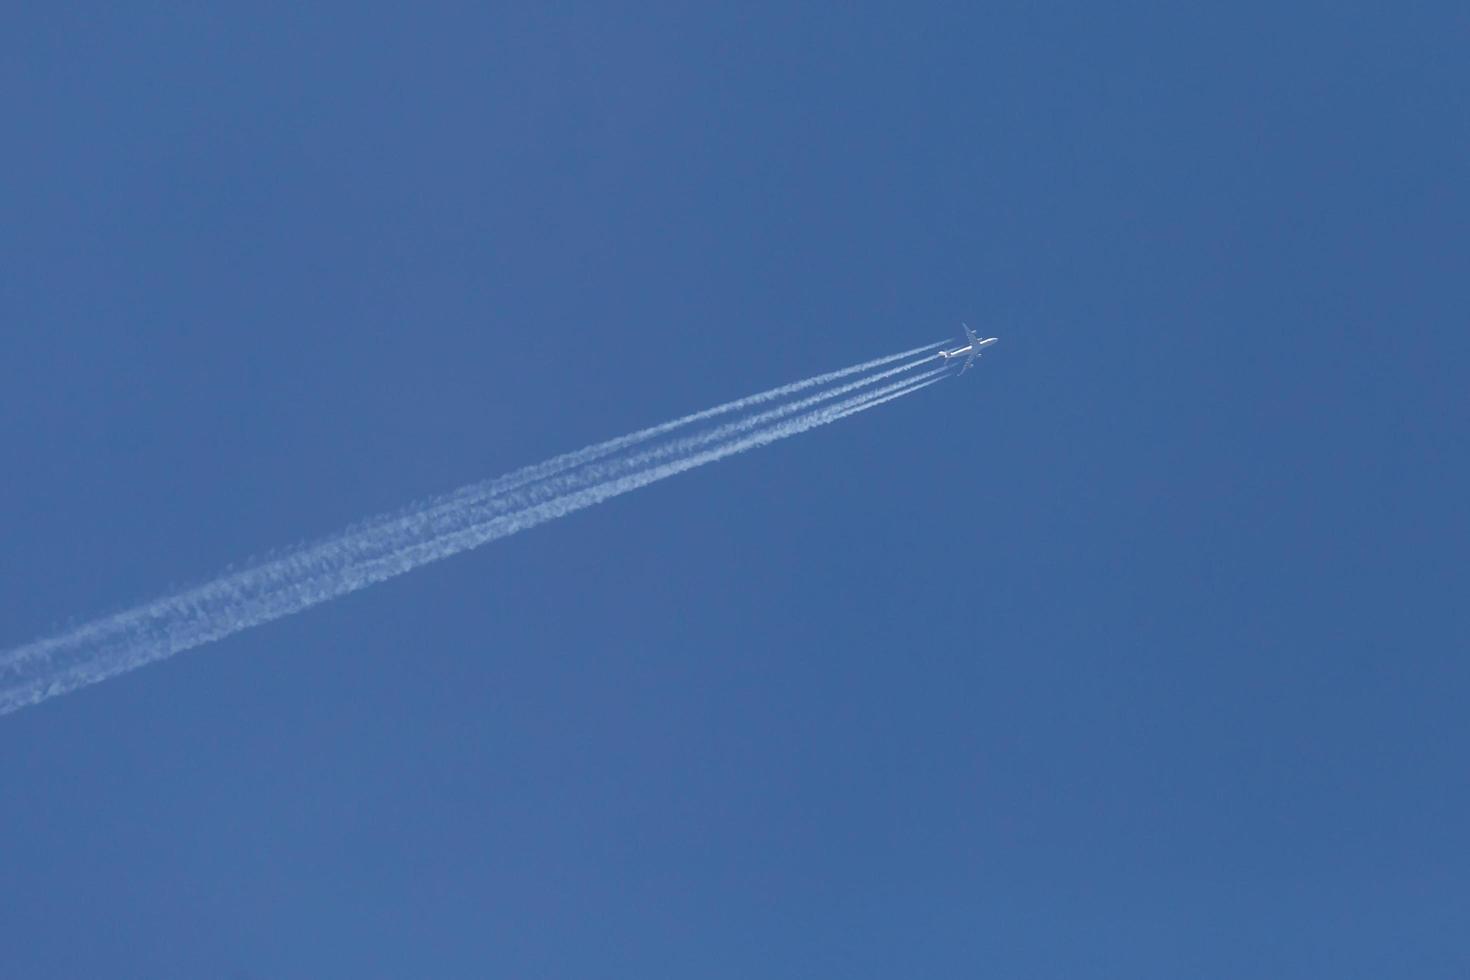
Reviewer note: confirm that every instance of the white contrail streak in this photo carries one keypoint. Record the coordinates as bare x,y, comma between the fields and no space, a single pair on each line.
566,461
319,571
496,495
371,539
445,526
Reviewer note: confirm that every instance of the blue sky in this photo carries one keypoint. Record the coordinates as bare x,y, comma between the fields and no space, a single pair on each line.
1138,651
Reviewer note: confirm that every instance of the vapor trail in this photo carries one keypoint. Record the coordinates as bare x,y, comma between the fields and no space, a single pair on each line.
566,461
494,496
314,573
473,516
317,572
879,399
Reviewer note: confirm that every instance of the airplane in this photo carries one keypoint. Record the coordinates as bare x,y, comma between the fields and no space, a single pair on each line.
970,351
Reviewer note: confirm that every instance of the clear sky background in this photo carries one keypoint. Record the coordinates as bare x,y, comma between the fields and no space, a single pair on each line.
1138,651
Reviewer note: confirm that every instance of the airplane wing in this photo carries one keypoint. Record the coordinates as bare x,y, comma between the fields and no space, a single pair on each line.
970,335
969,361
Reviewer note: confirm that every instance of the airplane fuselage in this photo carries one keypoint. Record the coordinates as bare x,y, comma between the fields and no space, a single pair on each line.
969,350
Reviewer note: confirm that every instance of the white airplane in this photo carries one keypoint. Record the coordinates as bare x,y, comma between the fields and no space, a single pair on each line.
970,351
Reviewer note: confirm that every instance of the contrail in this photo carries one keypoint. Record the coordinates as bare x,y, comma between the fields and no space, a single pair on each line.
566,461
392,532
933,378
316,572
496,495
473,516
